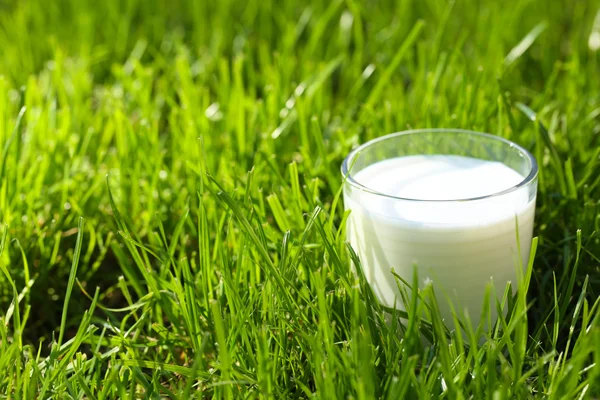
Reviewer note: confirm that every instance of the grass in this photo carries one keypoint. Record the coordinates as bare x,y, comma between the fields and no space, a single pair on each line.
201,142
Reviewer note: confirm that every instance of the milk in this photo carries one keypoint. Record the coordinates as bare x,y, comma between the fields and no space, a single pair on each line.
458,246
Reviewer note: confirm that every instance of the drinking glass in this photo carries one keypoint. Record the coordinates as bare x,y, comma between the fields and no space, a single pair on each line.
457,245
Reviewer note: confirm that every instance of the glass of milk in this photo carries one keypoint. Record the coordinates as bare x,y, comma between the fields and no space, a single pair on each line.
456,205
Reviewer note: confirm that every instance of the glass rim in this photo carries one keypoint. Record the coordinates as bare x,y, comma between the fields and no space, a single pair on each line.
348,178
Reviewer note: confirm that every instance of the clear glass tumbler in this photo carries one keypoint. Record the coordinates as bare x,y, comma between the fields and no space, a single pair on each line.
458,241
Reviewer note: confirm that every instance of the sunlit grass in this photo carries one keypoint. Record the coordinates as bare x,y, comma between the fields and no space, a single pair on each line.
201,144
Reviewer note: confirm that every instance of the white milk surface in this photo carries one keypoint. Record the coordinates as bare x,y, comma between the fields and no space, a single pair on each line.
459,246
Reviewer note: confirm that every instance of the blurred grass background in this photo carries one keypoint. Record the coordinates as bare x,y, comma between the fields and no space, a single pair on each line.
267,98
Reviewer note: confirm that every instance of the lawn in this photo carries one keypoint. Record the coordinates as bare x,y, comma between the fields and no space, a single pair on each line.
170,209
